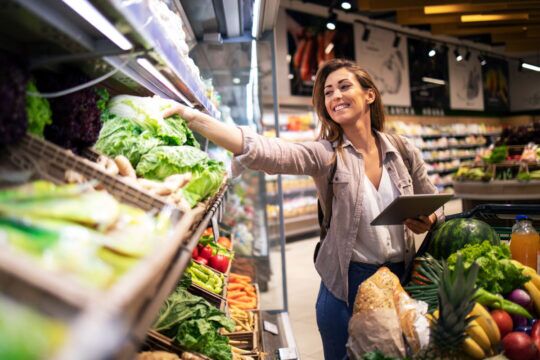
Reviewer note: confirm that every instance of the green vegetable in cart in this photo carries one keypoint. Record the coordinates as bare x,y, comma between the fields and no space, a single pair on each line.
496,301
38,111
205,278
498,154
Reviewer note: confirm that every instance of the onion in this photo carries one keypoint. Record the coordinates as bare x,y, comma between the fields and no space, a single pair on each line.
520,297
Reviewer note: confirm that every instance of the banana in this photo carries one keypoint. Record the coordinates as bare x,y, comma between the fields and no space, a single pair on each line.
484,319
472,349
535,295
479,336
535,278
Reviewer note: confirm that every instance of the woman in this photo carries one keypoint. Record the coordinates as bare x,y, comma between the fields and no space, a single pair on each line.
369,174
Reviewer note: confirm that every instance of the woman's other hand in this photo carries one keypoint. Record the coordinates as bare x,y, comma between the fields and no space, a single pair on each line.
422,224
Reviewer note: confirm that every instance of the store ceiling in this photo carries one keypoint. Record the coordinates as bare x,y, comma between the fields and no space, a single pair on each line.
513,25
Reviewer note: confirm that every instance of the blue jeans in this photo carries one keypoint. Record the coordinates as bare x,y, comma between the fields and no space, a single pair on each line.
333,314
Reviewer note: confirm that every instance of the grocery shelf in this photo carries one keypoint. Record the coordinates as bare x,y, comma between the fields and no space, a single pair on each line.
59,25
450,135
498,190
450,158
464,146
272,197
443,171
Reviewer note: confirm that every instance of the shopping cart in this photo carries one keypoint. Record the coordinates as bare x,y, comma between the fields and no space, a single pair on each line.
500,216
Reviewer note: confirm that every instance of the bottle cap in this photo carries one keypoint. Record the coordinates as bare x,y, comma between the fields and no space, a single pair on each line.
521,217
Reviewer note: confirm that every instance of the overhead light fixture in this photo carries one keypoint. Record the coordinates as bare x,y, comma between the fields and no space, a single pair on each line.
288,57
432,52
290,76
96,19
528,66
482,60
345,5
331,22
467,55
147,65
365,35
257,21
494,17
328,49
236,80
397,40
442,9
433,80
458,56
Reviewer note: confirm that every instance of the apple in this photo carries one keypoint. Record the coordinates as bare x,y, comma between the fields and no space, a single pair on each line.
219,262
201,260
503,320
206,252
519,346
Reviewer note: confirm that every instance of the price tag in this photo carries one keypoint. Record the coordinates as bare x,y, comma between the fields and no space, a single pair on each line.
270,327
287,353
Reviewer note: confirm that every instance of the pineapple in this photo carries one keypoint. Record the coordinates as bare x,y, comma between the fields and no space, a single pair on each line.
456,292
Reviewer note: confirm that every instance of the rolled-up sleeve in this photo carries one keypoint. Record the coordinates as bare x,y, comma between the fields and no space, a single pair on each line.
276,156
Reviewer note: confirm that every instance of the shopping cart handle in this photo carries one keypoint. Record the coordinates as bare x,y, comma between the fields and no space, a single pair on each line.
496,209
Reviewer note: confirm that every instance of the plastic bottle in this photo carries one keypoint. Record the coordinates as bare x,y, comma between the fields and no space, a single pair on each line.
525,242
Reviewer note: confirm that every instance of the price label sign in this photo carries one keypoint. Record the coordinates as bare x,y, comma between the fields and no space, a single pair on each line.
270,327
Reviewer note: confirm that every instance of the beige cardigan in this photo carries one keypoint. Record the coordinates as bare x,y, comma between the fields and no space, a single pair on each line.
314,158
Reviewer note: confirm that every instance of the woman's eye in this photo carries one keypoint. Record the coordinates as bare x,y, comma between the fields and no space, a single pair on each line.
328,93
345,87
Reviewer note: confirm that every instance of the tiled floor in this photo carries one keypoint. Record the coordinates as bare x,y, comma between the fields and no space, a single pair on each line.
303,286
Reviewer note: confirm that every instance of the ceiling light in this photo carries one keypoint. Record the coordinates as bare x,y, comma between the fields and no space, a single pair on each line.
442,9
527,66
236,80
94,17
288,57
345,5
397,40
291,76
365,35
467,55
433,80
482,60
162,79
257,21
458,56
331,22
494,17
432,52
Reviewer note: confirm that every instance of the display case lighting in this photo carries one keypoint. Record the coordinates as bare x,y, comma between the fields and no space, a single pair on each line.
147,65
97,20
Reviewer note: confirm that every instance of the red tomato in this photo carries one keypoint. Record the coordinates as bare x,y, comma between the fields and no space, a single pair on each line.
519,346
503,320
195,253
201,260
535,335
206,252
219,262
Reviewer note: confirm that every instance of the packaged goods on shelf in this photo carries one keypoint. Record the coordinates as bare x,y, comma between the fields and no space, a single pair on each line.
296,206
291,183
456,129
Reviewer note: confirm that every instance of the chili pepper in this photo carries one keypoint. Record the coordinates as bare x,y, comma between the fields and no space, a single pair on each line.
498,302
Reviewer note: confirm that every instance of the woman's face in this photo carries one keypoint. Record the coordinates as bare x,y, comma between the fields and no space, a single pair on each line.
345,99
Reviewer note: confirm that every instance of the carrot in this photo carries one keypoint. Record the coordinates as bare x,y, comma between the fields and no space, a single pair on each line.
242,277
235,286
235,295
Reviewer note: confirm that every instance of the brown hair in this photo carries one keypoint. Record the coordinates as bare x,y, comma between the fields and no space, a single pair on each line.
330,130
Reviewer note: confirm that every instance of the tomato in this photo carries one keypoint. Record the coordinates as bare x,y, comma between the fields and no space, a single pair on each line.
206,252
201,260
195,253
223,240
535,335
519,346
503,320
219,262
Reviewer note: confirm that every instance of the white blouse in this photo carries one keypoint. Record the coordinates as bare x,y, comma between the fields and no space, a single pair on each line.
378,244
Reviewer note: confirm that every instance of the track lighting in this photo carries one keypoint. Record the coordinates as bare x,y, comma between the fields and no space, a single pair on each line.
365,35
345,5
397,40
458,56
331,22
482,60
524,65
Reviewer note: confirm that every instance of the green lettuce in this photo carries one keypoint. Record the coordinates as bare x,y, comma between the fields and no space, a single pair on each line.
497,273
203,184
38,111
164,161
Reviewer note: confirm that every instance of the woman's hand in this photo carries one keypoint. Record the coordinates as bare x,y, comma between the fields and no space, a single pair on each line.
221,134
422,224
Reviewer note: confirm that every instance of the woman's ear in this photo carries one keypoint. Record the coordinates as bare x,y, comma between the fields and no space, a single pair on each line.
370,96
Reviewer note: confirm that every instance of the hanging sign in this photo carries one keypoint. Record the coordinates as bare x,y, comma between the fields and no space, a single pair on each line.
496,84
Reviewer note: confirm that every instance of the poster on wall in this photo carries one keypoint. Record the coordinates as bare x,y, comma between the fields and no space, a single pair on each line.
310,44
466,90
387,64
428,73
496,85
524,87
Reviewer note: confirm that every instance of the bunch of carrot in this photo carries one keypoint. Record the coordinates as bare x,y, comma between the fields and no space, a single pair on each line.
241,293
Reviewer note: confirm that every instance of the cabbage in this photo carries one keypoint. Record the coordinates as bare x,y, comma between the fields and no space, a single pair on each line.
164,161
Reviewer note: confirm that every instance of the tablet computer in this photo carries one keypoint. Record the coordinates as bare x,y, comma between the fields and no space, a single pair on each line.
410,206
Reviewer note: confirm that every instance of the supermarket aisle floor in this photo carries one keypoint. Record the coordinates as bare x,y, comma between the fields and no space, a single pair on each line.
303,287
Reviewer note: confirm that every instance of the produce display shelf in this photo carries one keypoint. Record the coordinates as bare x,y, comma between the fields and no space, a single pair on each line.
56,23
465,146
506,190
442,171
450,158
272,197
138,14
451,135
